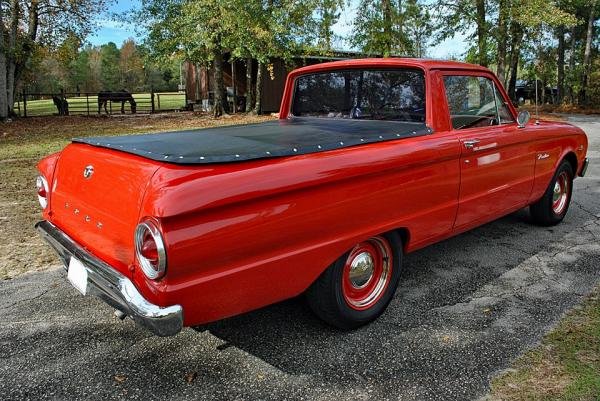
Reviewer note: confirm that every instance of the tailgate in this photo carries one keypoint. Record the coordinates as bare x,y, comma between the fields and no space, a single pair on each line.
100,209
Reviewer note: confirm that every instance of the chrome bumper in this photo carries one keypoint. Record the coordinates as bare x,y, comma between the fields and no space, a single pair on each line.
112,287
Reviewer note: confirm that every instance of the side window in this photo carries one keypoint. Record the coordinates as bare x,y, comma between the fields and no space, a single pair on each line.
474,102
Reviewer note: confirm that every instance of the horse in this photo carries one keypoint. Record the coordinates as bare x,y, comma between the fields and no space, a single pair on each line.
119,96
61,105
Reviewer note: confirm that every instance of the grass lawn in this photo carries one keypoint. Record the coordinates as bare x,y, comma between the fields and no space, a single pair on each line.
24,141
81,104
566,366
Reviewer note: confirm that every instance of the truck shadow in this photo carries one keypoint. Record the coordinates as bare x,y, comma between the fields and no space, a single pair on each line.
416,339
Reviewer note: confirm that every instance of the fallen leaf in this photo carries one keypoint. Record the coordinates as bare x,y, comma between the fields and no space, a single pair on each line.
446,339
190,377
487,310
120,378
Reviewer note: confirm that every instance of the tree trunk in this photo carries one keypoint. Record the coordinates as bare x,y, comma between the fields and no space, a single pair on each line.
481,33
10,61
218,106
233,84
249,87
387,27
515,54
3,97
259,84
560,65
503,6
572,67
3,91
585,71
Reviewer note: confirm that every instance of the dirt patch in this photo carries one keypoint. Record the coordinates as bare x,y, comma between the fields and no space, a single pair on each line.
23,142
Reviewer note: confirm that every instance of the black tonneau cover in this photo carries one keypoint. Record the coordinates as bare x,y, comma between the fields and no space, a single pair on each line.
256,141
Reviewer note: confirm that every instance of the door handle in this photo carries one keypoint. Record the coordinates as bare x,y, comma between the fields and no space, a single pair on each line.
470,143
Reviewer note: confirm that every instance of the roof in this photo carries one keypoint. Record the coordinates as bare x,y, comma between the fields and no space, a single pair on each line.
425,64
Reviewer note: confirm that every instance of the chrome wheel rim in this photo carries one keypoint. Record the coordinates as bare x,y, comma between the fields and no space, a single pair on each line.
560,194
367,273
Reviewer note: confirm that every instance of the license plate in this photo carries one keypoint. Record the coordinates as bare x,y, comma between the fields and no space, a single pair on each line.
77,275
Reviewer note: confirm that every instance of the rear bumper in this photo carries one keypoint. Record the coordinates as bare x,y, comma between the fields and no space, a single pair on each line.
586,162
112,287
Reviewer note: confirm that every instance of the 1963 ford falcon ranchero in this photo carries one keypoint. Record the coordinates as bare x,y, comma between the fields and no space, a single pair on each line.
370,159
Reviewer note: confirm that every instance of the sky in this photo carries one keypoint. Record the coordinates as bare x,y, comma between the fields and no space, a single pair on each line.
112,31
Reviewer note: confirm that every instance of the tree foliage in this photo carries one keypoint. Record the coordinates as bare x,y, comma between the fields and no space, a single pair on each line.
26,25
94,68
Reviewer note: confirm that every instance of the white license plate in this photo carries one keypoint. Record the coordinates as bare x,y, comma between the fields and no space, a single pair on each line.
77,275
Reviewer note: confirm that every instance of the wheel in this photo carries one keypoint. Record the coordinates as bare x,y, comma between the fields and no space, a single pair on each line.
553,206
357,287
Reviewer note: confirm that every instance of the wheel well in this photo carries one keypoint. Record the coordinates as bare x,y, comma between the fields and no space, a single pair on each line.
572,159
404,236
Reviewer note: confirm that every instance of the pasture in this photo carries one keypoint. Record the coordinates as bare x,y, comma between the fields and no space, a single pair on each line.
38,105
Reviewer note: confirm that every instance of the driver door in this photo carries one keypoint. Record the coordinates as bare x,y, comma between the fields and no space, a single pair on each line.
497,157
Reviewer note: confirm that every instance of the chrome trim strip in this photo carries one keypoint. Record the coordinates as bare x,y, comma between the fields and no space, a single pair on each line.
112,287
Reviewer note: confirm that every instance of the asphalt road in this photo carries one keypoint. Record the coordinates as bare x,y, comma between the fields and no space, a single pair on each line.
465,309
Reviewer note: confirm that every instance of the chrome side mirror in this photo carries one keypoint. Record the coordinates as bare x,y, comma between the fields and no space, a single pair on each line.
523,118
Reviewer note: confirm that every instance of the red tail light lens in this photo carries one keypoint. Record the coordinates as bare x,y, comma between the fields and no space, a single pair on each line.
150,250
42,190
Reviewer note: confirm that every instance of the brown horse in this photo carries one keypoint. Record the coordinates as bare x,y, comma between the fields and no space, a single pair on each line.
114,97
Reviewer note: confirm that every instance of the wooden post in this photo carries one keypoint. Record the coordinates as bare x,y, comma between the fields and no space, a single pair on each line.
158,100
152,100
234,108
24,104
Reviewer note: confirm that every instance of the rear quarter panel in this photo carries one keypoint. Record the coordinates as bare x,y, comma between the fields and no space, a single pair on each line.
245,235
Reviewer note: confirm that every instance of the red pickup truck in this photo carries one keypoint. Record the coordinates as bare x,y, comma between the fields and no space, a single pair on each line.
369,160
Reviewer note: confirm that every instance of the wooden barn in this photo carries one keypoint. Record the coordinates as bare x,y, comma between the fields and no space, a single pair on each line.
199,79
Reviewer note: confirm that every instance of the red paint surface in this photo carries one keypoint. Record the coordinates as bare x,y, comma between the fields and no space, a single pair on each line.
240,236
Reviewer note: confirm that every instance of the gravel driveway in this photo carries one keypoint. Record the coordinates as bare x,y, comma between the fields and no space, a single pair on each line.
464,310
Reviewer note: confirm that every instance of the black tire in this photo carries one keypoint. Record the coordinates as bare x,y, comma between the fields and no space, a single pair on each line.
329,300
546,211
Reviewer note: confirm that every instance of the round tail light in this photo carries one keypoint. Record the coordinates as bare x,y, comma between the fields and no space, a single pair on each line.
150,250
42,190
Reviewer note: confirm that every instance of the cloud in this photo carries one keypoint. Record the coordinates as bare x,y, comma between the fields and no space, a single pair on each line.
107,23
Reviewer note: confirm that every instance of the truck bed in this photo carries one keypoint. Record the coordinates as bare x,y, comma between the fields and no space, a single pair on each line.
278,138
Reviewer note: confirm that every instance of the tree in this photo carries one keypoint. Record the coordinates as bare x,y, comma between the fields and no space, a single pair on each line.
587,61
418,27
131,66
378,28
109,67
82,72
202,30
461,16
328,13
24,25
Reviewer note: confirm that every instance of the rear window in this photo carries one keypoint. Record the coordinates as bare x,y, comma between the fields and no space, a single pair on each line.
392,95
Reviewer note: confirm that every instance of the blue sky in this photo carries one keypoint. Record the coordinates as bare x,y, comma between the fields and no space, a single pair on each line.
112,31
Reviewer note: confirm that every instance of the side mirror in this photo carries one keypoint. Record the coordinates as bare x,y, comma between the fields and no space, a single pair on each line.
523,118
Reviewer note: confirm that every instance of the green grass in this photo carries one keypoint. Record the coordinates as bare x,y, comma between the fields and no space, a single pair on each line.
83,104
565,367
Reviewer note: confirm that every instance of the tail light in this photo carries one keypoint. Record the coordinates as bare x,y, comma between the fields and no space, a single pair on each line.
42,190
150,249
